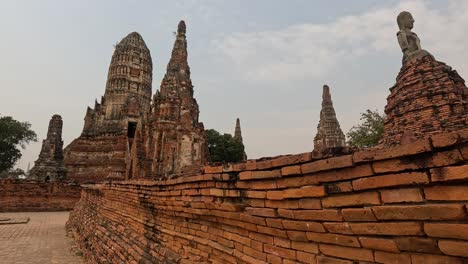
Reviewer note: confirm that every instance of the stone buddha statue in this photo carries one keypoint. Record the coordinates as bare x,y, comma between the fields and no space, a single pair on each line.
408,40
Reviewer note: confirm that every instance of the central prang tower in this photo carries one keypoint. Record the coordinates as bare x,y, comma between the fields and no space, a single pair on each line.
103,149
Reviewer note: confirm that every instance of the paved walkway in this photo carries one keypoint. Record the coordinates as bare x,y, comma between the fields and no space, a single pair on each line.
42,240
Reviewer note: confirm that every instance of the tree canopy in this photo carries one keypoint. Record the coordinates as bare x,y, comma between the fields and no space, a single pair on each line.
13,136
223,148
368,133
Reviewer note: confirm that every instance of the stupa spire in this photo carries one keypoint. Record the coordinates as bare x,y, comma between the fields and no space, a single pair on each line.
329,134
237,131
178,70
238,136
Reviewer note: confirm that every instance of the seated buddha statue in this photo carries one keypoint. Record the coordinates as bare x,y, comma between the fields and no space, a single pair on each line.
408,40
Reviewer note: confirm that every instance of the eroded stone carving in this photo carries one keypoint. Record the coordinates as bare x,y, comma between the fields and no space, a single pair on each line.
408,40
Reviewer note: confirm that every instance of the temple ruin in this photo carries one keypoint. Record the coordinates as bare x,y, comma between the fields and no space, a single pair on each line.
329,135
238,137
429,97
157,201
50,166
401,202
127,135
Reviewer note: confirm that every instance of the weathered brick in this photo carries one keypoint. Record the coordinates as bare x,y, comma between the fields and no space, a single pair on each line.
454,248
392,258
416,147
447,230
464,151
417,244
251,175
410,178
275,223
307,191
305,246
299,181
272,259
291,170
318,215
254,253
358,199
446,193
264,164
435,259
343,174
387,228
272,231
287,204
445,140
327,164
310,203
255,194
281,242
303,225
401,195
420,212
279,251
261,237
347,252
339,228
338,187
330,260
306,257
449,173
358,215
376,243
297,235
411,163
210,169
265,212
337,239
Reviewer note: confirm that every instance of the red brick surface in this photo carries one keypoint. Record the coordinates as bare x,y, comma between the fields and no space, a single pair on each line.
340,212
22,196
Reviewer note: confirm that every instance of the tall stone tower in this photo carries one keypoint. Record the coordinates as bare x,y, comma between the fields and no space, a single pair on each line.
49,166
238,136
178,141
103,149
329,134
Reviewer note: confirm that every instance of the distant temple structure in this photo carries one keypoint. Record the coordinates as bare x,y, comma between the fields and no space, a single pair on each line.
329,134
49,166
126,135
177,138
428,97
238,136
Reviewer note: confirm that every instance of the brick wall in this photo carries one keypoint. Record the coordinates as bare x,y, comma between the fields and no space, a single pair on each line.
22,196
405,204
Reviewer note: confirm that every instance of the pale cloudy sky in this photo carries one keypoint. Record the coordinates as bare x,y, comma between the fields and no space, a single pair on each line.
262,61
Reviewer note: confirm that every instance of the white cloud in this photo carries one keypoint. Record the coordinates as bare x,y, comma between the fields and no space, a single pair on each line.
311,50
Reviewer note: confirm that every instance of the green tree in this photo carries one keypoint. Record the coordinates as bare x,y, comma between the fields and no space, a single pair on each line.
13,136
223,148
368,133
